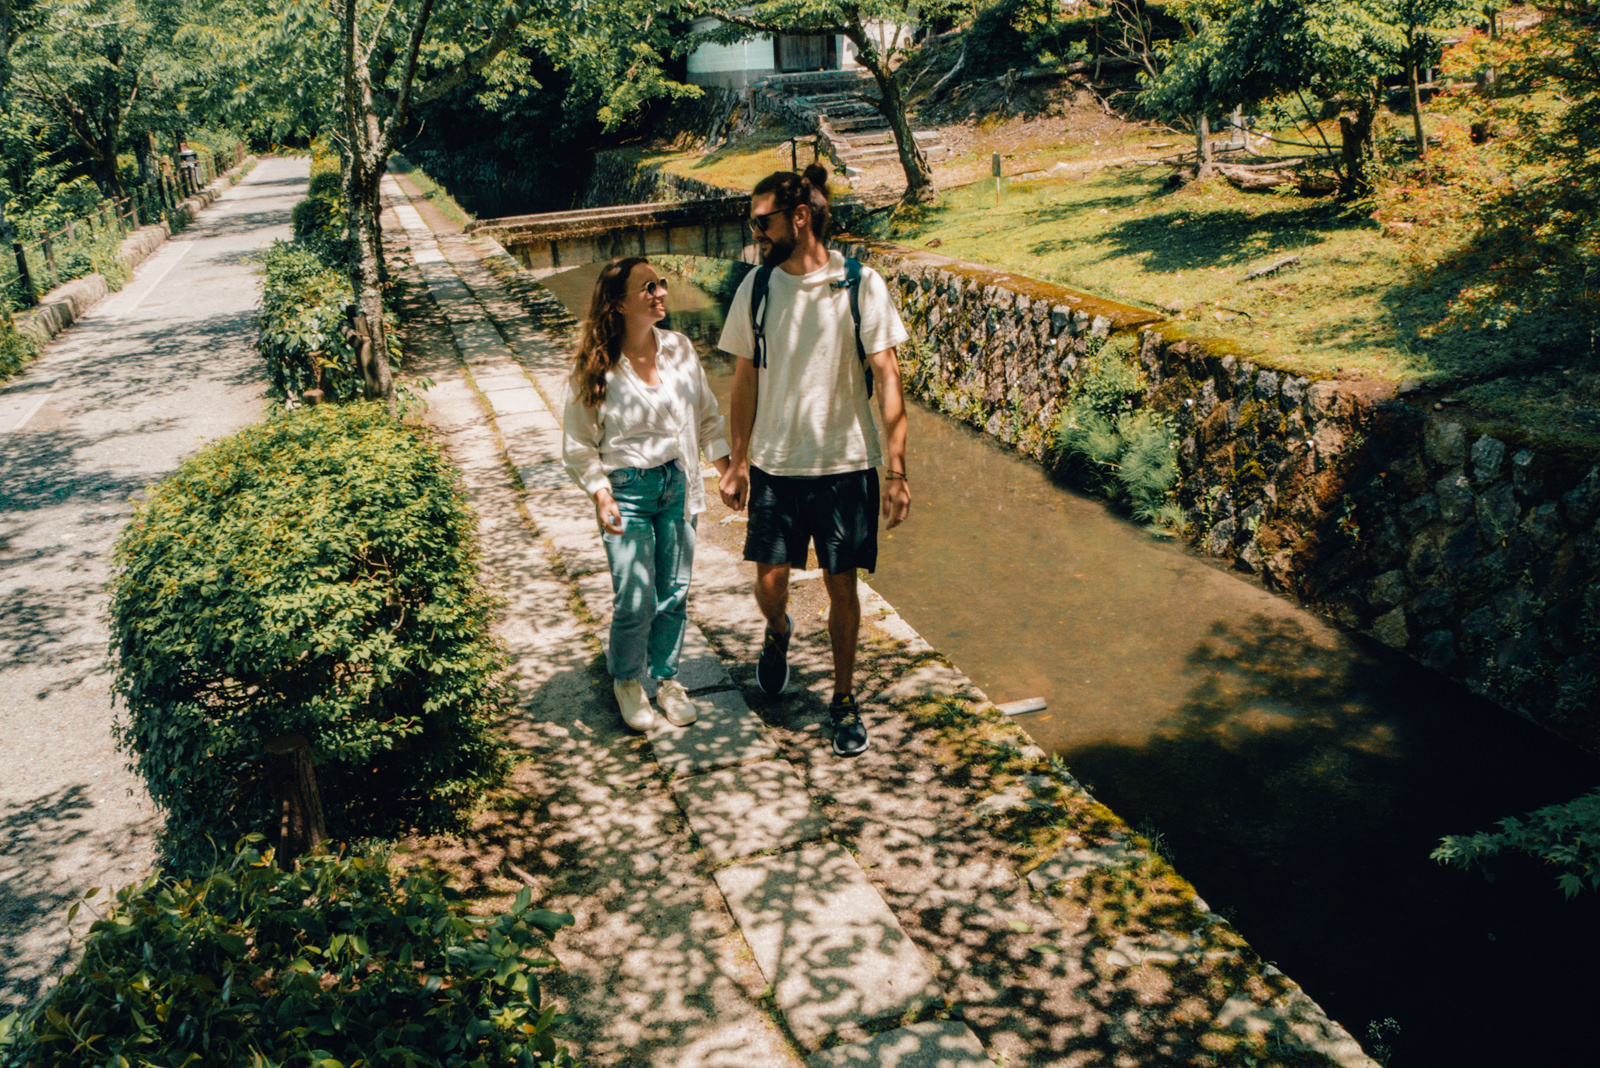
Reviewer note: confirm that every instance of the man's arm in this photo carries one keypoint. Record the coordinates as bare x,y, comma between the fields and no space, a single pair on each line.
892,401
734,485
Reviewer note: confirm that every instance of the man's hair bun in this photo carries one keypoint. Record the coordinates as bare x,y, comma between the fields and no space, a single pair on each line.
816,176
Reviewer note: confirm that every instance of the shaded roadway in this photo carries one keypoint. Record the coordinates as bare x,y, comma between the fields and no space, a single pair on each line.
115,403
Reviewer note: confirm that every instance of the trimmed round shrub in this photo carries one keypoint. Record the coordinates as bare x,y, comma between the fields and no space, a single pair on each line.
314,574
337,963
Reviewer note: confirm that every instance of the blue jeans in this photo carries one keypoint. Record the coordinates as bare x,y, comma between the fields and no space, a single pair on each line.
651,561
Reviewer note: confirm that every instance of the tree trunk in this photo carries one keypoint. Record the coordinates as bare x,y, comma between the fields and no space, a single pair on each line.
1203,167
364,170
919,176
1355,149
1416,93
301,828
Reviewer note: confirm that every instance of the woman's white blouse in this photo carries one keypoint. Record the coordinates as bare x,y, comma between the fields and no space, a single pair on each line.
636,426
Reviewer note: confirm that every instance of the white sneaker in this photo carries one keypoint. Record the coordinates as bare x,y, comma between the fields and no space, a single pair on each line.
673,700
635,704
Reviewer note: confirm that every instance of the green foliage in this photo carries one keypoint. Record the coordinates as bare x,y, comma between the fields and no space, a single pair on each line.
318,574
1567,836
1541,233
298,331
341,962
320,221
1115,447
16,348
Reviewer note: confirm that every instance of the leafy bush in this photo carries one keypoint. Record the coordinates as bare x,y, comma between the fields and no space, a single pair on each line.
319,219
298,332
16,349
1567,836
314,574
1115,447
337,963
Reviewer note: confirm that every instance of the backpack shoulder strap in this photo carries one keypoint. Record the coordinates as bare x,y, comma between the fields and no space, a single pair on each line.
852,281
758,313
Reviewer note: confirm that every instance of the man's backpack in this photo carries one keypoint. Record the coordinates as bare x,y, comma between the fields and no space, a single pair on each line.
758,312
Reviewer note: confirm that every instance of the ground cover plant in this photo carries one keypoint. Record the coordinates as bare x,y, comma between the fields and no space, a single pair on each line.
313,574
339,962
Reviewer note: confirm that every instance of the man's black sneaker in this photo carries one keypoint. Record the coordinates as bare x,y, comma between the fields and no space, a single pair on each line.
772,670
849,733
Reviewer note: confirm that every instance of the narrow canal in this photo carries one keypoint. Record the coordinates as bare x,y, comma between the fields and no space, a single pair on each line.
1297,774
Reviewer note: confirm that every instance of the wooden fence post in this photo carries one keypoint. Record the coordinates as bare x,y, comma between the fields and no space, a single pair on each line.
29,294
301,828
50,259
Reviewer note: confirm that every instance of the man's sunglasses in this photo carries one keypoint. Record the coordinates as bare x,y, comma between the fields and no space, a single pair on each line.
758,223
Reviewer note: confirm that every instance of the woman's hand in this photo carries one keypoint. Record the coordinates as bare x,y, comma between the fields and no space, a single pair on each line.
607,512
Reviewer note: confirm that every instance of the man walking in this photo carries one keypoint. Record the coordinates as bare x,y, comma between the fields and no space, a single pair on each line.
820,340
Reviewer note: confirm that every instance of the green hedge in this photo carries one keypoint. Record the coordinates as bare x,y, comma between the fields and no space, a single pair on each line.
315,574
16,348
338,963
299,328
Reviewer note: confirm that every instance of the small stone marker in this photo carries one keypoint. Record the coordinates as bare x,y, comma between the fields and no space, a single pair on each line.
925,1045
835,955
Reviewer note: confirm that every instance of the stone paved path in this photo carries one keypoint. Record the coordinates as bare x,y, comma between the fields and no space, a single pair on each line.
115,403
742,897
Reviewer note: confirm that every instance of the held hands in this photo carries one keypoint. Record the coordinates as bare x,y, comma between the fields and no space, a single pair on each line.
607,512
734,485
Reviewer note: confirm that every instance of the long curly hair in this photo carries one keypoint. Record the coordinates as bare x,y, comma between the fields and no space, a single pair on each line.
600,341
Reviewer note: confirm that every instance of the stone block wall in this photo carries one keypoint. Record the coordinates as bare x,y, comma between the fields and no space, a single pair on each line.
1472,548
618,179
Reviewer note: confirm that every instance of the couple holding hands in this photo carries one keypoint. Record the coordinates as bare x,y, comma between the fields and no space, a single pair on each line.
801,451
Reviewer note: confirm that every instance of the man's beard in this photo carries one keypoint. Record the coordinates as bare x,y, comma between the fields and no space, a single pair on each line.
780,250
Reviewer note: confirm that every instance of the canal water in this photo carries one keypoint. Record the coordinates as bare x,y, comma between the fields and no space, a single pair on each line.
1297,774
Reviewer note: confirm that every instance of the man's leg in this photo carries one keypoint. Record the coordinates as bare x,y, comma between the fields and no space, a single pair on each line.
844,628
772,595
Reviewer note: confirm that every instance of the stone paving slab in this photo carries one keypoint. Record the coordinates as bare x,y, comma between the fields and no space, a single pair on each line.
699,668
737,812
835,955
726,733
515,401
925,1045
581,554
567,510
491,383
594,589
544,475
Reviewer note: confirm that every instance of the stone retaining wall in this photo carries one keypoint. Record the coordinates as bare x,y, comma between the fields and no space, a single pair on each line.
67,303
619,179
1474,549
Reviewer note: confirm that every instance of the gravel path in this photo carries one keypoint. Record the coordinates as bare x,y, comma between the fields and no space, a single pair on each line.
115,403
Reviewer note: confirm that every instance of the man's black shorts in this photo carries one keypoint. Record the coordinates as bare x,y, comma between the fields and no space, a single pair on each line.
838,512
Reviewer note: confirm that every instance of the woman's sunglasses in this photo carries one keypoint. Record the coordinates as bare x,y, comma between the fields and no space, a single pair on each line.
652,288
758,223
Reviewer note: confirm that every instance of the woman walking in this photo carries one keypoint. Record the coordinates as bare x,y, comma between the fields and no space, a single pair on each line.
638,415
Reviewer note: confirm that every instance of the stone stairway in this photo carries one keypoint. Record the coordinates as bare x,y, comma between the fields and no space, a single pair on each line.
860,134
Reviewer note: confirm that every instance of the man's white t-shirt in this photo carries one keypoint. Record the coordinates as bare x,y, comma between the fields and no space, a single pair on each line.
813,416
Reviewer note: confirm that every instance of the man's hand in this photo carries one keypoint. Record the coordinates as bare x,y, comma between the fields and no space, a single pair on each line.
607,512
896,501
734,485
